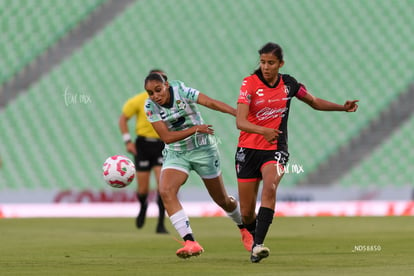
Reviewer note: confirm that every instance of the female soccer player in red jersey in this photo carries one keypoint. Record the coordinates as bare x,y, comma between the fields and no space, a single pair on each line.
262,115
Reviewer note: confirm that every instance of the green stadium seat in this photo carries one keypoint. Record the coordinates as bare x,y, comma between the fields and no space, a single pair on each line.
30,27
331,46
389,165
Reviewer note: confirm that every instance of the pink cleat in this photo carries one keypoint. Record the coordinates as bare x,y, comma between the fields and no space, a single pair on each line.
190,249
247,239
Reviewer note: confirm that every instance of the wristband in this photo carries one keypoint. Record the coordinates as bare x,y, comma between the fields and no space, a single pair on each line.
126,137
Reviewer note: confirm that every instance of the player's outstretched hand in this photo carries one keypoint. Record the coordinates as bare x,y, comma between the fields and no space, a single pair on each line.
351,106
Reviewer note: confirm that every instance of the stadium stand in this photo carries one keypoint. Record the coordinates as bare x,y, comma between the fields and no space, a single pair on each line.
60,131
389,165
350,155
30,27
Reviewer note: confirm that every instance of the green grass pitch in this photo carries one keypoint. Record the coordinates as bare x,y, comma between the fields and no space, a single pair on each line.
299,246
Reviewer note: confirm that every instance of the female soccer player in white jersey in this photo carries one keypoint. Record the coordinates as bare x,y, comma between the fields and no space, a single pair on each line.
262,113
147,151
189,145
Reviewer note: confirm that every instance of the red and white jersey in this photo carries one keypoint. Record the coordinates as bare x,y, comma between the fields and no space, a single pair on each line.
268,107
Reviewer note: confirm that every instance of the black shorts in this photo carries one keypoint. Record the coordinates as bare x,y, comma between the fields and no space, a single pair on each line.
149,153
249,162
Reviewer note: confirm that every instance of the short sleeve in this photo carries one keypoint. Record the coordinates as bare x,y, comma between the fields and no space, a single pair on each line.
244,93
189,93
151,112
129,108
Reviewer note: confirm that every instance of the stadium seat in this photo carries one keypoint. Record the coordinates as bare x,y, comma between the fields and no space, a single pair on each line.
30,27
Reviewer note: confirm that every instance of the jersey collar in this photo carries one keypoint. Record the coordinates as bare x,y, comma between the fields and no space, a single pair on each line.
260,76
170,103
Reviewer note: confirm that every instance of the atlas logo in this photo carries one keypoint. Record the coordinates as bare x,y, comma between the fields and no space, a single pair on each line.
287,89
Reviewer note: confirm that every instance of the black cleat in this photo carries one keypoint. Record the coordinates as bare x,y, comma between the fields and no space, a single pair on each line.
161,229
140,220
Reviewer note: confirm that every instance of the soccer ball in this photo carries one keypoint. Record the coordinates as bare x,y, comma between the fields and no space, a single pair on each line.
118,171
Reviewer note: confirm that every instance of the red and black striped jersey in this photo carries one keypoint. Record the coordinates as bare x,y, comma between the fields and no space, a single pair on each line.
268,107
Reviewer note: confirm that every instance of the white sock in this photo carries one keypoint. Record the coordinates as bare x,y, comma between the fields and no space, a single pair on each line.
181,223
235,215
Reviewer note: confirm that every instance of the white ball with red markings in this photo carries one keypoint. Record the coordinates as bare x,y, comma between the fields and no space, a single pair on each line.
118,171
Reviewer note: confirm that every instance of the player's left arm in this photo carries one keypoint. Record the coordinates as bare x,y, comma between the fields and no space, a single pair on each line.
211,103
324,105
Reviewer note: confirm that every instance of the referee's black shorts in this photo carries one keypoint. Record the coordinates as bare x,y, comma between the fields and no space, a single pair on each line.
149,153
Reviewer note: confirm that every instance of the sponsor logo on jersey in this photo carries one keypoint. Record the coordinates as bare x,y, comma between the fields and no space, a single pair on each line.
269,113
259,92
278,100
243,94
259,102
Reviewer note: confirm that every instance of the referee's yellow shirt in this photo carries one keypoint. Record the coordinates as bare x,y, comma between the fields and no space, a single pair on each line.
135,107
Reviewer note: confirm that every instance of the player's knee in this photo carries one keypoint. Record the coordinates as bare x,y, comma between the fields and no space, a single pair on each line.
165,192
269,190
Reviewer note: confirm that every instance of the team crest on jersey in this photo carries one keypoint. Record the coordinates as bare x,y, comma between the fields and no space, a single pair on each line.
287,89
180,104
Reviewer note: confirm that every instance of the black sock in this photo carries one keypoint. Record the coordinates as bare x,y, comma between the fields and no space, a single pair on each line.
264,219
140,220
161,209
189,237
142,198
251,227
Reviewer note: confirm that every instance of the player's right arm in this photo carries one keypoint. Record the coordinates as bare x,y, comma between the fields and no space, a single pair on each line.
245,125
171,136
242,114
